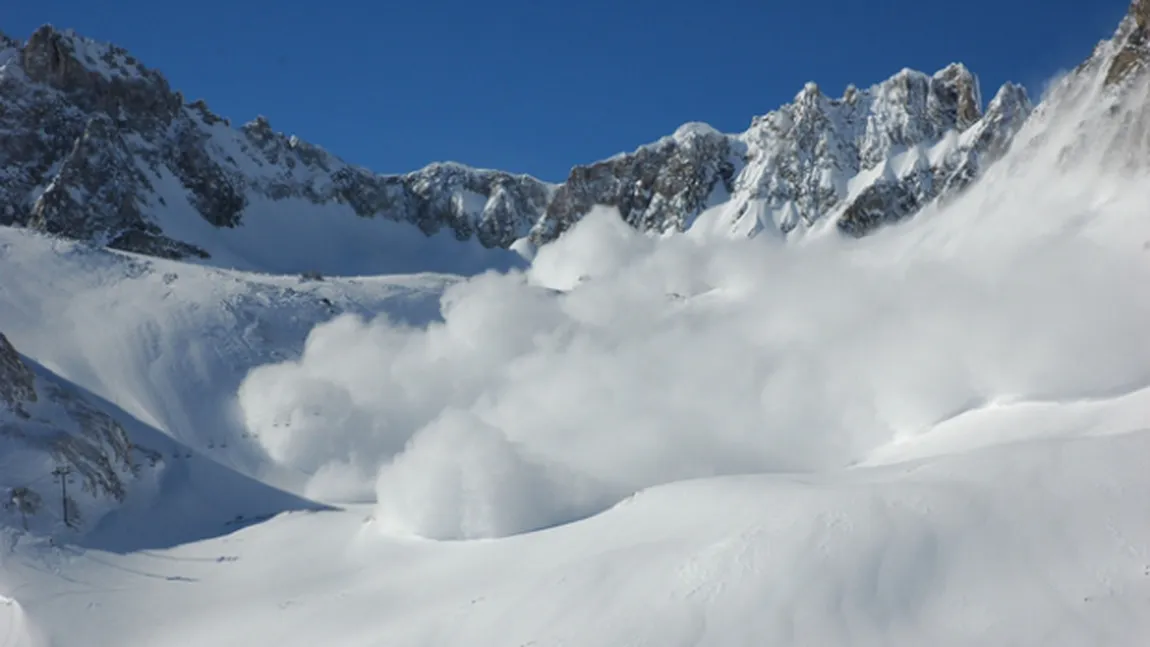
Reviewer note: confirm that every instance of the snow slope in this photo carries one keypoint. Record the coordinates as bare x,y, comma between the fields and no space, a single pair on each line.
1040,543
162,347
170,341
292,235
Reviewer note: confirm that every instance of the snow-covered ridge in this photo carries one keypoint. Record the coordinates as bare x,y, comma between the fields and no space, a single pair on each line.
808,160
102,149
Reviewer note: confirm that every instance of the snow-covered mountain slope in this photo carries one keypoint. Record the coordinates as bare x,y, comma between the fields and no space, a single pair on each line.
935,434
99,147
76,468
45,426
159,348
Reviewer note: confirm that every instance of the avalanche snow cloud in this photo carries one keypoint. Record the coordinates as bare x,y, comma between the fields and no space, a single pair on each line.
620,360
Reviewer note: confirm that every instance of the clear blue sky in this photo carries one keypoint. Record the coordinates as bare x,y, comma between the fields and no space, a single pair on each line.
538,85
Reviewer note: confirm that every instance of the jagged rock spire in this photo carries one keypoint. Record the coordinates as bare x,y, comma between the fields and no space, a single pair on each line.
1133,41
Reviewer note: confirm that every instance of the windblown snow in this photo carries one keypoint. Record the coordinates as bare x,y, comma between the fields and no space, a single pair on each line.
937,434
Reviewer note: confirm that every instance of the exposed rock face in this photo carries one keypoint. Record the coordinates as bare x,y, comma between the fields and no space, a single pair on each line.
100,169
43,416
101,148
17,383
658,187
1133,43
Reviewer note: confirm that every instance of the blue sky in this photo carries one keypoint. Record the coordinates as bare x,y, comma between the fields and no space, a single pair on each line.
538,85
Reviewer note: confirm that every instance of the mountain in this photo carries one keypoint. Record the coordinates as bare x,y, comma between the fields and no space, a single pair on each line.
100,148
933,434
871,156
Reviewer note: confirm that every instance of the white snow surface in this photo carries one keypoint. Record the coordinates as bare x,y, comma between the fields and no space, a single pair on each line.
291,234
938,434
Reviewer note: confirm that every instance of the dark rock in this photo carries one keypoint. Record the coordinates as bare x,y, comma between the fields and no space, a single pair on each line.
17,382
1134,39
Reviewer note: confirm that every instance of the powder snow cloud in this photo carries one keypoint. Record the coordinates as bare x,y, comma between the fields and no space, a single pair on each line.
620,360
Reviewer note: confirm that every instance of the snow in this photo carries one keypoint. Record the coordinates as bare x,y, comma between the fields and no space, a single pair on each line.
881,172
689,131
936,434
945,148
470,203
276,235
1034,544
169,343
104,59
7,55
805,161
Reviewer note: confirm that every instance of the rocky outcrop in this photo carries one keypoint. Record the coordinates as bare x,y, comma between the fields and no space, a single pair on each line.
17,383
1133,43
938,172
1111,89
657,187
42,419
100,169
102,149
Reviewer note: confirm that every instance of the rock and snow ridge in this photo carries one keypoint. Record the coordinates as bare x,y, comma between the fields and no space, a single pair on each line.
45,424
101,148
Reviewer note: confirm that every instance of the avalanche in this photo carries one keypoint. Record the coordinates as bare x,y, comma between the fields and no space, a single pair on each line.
936,434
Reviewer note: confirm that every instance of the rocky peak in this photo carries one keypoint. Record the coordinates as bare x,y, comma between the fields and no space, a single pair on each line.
1005,114
657,187
957,86
911,108
98,76
1132,43
68,61
50,57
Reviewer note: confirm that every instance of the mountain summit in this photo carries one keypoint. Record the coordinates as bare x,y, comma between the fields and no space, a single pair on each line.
101,148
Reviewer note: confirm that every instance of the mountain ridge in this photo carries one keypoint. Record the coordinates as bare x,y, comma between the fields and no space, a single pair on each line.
118,151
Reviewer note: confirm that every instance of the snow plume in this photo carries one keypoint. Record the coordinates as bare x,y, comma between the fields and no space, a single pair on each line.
618,360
